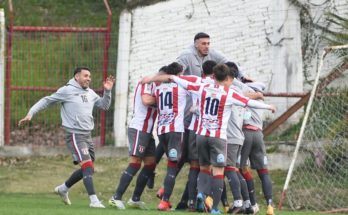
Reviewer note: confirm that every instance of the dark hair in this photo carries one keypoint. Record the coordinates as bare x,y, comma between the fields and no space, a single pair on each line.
233,67
79,69
207,67
200,35
174,68
221,72
163,69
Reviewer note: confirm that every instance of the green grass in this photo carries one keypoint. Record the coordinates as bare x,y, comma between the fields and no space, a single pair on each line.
43,204
26,186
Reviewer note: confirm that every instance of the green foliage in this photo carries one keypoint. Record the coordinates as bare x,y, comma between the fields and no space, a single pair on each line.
47,60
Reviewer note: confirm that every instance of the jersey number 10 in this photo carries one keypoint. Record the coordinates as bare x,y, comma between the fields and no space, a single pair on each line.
211,106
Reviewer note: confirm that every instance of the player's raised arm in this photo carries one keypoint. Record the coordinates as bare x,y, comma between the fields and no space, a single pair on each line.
155,78
192,87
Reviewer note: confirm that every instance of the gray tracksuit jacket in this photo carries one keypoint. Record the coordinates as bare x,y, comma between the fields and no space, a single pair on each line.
192,62
77,106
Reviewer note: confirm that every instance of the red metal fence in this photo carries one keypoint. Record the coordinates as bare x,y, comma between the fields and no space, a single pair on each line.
42,59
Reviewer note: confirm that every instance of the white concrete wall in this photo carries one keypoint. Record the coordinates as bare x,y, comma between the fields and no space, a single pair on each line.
263,36
2,75
122,76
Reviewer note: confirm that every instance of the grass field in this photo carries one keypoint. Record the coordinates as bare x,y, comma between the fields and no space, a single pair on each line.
26,187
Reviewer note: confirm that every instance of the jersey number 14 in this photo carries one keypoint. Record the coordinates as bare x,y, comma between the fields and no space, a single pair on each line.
166,100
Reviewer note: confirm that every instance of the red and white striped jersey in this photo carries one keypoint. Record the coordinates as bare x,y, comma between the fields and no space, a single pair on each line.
143,116
215,106
171,102
195,99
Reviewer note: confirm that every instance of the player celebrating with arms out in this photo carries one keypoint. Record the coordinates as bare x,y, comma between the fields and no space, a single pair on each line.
77,101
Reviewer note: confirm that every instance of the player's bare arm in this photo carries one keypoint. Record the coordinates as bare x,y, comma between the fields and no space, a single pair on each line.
148,100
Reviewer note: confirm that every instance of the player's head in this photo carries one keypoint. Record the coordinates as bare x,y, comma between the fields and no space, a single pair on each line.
202,43
233,67
207,67
223,75
174,69
162,70
82,75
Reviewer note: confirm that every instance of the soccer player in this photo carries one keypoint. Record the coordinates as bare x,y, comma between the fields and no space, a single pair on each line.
77,102
254,150
235,139
190,149
207,77
215,106
141,146
171,102
193,57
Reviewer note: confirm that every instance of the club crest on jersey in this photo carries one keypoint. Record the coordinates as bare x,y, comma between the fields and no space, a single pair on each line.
141,149
148,88
173,153
220,158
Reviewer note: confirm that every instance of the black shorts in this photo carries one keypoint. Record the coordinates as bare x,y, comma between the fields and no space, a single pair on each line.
211,151
81,146
140,144
173,143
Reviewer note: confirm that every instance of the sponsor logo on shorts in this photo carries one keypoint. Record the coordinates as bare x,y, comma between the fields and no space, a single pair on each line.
220,158
173,153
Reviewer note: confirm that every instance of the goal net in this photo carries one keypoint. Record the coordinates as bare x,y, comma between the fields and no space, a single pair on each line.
318,175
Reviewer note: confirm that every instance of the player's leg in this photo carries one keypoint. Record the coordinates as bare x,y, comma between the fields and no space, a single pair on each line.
218,149
259,162
247,209
231,174
182,205
174,141
244,164
76,176
224,199
204,176
83,144
133,167
194,170
146,150
158,156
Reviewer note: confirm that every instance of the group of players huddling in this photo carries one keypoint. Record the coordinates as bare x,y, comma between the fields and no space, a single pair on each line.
208,114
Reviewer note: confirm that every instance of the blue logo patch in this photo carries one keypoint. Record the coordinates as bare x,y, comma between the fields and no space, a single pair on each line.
220,158
173,153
